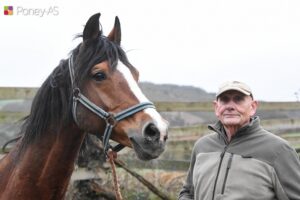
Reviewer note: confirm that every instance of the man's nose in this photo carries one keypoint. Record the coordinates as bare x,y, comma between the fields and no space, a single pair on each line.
230,104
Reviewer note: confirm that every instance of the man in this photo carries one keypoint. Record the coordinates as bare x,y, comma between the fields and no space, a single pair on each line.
241,160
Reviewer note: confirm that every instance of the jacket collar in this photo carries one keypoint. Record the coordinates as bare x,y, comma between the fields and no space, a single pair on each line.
245,130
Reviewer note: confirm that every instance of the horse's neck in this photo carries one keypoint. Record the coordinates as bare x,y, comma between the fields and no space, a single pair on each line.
44,169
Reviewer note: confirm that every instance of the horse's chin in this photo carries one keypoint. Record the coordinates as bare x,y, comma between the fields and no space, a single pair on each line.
144,150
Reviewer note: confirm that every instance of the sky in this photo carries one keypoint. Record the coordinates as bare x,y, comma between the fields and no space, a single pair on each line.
200,43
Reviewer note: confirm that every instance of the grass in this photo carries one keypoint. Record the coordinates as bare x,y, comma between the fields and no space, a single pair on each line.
11,117
295,137
17,93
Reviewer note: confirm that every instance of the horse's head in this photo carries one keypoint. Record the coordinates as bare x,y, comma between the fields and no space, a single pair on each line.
104,76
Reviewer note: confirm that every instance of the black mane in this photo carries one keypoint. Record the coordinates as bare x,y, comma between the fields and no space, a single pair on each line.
52,105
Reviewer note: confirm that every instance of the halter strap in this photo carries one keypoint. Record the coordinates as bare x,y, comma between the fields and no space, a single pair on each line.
72,75
110,119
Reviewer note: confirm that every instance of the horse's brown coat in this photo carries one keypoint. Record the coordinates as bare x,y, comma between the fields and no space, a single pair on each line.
41,169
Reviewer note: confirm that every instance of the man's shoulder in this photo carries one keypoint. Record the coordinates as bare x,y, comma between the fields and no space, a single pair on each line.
267,146
272,139
209,142
212,136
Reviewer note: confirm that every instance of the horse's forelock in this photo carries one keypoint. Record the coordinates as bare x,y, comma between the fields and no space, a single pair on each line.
94,51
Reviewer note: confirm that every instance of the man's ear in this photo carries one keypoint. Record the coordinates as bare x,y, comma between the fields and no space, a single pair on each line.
254,106
215,103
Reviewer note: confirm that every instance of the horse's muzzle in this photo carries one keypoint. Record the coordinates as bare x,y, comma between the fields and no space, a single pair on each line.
151,144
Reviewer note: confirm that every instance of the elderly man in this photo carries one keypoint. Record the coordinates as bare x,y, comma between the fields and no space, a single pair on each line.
239,159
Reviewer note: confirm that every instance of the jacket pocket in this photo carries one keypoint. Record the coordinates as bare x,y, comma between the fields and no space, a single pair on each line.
226,173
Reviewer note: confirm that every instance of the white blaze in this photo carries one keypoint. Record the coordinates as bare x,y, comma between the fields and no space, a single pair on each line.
157,119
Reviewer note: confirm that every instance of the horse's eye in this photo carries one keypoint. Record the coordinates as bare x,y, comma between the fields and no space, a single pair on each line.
99,76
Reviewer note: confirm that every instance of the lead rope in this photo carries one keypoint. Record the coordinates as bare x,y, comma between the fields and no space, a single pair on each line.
111,157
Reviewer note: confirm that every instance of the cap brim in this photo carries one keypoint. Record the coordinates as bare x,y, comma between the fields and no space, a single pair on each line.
233,88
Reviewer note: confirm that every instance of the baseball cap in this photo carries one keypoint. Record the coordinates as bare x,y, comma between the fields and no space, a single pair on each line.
234,85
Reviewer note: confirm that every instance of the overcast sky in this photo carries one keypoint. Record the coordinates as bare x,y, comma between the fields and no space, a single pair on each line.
188,42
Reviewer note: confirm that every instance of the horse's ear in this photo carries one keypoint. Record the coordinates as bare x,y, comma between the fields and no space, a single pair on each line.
115,33
91,29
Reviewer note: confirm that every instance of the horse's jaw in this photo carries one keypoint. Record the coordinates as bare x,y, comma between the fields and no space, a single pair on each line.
145,149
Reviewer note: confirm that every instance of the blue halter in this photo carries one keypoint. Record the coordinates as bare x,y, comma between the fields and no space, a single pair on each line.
110,119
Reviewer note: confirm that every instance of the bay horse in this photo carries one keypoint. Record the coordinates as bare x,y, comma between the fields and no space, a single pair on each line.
94,91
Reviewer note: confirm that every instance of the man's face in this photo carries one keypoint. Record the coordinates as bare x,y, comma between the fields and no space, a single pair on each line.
234,108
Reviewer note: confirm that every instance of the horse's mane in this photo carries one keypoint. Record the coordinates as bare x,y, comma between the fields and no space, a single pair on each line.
52,104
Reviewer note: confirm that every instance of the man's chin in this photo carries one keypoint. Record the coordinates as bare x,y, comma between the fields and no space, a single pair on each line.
231,122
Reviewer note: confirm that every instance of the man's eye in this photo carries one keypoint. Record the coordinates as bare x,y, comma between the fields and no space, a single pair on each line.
224,99
238,98
99,76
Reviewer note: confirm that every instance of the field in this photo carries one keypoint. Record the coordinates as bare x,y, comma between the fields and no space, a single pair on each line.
168,172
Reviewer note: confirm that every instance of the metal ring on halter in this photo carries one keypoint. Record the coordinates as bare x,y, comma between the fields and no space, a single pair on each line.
111,120
76,92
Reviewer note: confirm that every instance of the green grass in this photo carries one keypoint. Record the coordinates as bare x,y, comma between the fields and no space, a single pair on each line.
11,117
291,135
17,93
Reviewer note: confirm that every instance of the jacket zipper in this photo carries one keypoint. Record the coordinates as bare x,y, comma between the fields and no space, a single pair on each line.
226,174
219,167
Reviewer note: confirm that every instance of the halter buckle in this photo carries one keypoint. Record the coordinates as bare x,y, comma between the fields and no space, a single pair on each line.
111,120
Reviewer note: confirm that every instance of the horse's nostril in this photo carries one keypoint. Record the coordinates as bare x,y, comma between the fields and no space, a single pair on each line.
151,132
165,138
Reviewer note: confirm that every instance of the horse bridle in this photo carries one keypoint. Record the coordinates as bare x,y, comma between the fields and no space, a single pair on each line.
110,119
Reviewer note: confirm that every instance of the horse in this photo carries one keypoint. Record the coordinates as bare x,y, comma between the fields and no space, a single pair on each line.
94,91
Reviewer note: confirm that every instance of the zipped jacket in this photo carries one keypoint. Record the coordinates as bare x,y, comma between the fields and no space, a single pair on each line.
254,165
